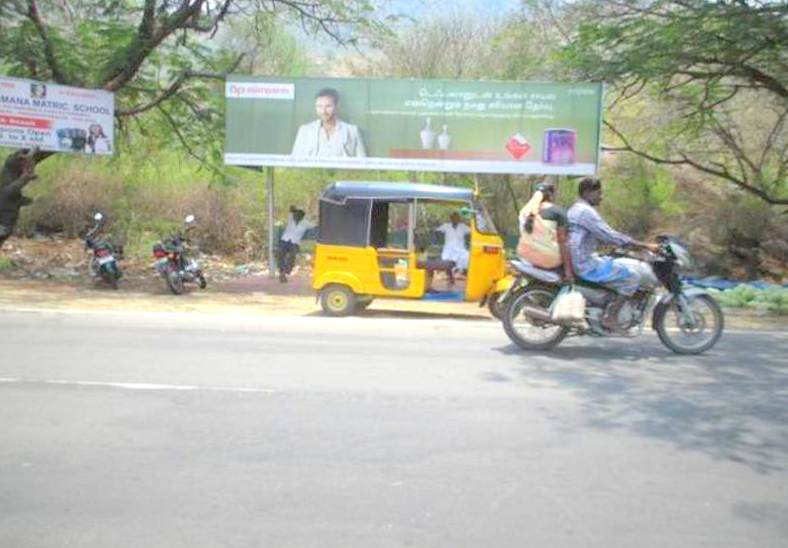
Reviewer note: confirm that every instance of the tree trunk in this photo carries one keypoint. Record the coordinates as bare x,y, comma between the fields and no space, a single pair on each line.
17,172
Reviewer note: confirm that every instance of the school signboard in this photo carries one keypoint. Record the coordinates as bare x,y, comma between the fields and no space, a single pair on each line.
54,117
418,125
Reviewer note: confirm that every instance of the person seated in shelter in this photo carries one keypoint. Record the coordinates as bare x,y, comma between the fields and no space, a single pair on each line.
544,229
454,250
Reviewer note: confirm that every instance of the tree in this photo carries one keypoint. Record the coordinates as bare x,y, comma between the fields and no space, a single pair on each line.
719,71
455,45
153,54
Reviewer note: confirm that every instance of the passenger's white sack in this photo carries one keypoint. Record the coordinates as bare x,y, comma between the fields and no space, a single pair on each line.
569,305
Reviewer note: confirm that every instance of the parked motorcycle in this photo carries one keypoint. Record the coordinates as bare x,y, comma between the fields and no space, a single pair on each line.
173,263
687,320
104,262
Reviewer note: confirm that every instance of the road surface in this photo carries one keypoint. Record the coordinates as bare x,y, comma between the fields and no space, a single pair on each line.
156,429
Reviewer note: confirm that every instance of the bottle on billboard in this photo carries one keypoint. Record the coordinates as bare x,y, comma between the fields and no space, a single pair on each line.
444,139
427,135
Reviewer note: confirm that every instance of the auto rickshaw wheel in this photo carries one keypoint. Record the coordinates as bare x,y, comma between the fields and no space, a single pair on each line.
337,300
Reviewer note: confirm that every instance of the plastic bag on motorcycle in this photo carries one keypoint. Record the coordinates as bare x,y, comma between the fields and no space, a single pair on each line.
568,306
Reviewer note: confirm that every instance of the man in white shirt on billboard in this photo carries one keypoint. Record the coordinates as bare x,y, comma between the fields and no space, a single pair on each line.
454,249
289,242
328,135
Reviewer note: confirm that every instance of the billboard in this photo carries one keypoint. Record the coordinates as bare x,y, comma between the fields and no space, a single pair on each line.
419,125
54,117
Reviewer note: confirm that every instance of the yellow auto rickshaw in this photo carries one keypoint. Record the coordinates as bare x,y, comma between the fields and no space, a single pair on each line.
368,247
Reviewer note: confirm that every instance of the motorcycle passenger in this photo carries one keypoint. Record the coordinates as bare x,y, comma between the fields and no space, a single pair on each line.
587,229
544,232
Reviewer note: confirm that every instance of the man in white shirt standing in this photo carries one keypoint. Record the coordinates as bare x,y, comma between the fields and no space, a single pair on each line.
294,232
454,249
328,135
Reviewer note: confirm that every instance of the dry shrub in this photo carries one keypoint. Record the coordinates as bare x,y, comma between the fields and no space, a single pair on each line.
221,225
75,195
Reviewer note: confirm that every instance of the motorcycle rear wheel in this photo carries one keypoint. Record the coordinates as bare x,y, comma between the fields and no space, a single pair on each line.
175,282
684,339
110,275
495,308
525,331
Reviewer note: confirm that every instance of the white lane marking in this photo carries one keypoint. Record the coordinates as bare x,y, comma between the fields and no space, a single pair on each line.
138,385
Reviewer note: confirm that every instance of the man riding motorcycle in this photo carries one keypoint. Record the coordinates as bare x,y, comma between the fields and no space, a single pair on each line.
587,229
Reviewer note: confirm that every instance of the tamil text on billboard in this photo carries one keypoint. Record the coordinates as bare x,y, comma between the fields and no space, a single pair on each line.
419,125
54,117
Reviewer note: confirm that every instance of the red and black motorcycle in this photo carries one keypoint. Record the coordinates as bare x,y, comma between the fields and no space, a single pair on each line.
104,263
173,263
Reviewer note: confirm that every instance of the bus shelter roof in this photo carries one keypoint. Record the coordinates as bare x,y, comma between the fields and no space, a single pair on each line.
342,190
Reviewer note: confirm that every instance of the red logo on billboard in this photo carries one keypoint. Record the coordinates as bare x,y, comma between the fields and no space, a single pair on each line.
517,146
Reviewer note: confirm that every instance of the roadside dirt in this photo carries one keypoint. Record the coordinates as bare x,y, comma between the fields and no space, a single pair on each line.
52,274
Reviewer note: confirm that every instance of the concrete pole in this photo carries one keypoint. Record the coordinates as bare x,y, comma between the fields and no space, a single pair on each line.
269,187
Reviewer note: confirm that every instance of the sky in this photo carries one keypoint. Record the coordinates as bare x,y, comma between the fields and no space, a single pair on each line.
433,7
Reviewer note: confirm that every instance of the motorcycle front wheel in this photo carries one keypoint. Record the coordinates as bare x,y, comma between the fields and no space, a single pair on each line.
675,332
526,331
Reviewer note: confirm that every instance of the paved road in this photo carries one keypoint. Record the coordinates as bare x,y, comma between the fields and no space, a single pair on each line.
175,430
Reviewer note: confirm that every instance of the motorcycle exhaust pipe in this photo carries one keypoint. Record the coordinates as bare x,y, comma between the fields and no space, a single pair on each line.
538,313
543,315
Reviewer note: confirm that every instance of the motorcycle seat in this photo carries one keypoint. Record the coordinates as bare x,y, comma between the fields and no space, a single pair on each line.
524,267
594,285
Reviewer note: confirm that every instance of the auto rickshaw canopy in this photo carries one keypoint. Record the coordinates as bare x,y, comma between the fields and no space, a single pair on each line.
343,190
356,213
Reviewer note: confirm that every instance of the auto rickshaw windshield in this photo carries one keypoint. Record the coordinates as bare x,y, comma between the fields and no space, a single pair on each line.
484,223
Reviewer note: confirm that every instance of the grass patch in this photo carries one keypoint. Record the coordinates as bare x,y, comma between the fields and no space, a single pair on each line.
6,264
773,299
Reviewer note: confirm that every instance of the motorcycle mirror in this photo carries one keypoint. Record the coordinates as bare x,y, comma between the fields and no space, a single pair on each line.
189,219
98,217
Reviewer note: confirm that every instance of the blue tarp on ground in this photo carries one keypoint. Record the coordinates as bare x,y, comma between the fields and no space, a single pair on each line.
451,296
714,282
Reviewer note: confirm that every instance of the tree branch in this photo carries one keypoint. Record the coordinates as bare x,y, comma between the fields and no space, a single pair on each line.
166,94
721,171
176,86
203,161
49,51
143,45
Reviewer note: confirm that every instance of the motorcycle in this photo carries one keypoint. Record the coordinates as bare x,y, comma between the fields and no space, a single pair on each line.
173,263
687,320
103,264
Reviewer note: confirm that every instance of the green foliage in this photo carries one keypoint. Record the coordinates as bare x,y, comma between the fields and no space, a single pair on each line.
716,72
639,197
6,264
773,299
658,40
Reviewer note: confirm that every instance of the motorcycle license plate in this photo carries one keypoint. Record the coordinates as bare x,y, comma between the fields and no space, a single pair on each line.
105,259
